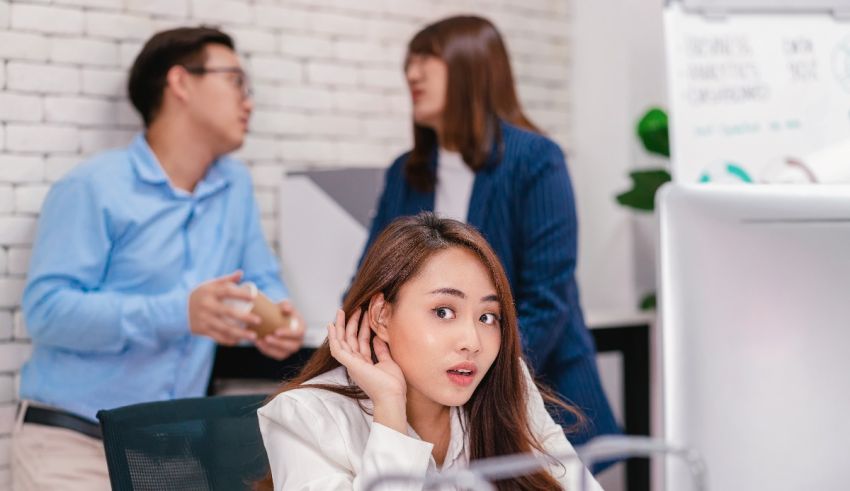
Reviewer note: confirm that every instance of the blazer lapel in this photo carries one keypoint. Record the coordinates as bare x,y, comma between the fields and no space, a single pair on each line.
481,190
484,183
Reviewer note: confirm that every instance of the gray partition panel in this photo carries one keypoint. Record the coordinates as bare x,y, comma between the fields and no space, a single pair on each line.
356,190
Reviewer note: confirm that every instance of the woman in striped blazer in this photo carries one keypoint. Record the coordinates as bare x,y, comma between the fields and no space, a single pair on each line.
478,159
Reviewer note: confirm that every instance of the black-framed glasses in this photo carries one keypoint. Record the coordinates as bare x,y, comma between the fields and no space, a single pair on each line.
240,78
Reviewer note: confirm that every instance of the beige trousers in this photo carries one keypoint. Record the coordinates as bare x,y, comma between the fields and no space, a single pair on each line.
48,458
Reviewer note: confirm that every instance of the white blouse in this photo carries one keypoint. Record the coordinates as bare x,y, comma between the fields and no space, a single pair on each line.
454,186
319,440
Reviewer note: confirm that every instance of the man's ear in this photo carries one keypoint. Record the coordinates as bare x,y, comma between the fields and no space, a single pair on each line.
176,81
379,315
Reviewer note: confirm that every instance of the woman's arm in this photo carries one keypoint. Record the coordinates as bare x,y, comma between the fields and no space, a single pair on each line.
310,449
547,304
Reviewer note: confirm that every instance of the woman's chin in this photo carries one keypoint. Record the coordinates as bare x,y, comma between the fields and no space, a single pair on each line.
426,120
454,396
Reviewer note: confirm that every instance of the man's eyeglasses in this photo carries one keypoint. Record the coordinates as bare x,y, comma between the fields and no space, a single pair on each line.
240,78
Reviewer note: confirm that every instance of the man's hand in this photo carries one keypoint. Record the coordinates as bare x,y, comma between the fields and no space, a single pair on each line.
210,316
285,340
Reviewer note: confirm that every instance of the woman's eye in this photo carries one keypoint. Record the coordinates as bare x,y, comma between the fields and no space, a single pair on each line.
444,313
489,319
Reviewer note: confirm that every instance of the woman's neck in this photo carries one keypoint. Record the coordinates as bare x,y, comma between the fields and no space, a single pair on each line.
443,144
441,138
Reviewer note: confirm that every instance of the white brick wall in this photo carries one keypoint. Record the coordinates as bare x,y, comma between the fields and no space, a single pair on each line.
4,14
84,51
26,77
328,86
7,325
48,19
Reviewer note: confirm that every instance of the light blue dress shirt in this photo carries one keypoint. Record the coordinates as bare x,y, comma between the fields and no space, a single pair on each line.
118,251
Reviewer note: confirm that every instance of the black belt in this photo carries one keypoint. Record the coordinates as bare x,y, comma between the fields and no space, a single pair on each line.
62,419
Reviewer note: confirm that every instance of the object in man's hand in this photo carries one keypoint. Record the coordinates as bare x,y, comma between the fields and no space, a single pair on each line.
272,317
262,306
242,305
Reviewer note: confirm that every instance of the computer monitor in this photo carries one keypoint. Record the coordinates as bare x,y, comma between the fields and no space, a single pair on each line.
754,337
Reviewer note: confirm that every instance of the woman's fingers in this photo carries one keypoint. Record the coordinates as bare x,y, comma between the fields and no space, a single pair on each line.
339,323
382,351
351,331
333,342
363,337
349,341
338,330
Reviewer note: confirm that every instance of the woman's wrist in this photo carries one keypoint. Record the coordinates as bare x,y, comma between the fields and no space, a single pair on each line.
392,413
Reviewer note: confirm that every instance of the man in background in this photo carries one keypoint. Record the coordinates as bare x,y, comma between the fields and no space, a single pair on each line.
136,263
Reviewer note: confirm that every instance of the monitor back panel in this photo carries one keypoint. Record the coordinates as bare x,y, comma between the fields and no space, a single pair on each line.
755,334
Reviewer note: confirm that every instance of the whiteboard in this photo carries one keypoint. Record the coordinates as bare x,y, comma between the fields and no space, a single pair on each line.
750,91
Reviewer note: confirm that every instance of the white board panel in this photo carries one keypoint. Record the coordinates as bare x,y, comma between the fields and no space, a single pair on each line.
749,91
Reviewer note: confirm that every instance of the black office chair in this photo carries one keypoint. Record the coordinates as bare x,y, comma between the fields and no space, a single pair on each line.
208,443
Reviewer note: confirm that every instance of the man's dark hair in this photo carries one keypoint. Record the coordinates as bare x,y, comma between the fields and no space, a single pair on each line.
181,46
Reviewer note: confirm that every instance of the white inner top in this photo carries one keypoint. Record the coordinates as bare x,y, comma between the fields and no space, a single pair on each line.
454,186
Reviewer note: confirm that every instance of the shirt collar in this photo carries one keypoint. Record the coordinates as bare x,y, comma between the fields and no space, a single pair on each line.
149,170
457,453
458,448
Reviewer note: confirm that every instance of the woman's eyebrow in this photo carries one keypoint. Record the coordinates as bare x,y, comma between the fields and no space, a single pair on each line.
457,293
449,291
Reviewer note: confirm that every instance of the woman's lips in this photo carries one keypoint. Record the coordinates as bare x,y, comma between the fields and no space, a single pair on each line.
463,373
461,379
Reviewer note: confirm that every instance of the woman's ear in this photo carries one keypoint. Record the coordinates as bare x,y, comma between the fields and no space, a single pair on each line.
379,314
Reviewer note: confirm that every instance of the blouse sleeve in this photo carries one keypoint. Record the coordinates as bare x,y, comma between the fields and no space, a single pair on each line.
308,449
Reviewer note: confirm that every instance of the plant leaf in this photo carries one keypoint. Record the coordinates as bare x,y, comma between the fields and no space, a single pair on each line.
653,131
645,183
648,302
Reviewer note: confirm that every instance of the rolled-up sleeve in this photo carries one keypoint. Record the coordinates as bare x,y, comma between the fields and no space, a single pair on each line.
62,304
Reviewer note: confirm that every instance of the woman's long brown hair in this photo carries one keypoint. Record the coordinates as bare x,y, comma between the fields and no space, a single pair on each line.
497,412
479,92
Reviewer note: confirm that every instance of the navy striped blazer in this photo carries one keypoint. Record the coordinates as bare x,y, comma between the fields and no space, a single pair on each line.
522,202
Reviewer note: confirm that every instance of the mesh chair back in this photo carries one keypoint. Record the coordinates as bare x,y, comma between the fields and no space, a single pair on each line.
209,443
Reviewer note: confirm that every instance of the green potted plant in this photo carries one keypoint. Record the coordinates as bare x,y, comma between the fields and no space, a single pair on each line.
652,129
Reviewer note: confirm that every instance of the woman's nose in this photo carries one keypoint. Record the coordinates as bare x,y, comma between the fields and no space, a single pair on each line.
469,338
413,72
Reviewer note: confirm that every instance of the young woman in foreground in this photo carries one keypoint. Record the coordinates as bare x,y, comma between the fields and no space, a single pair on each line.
422,371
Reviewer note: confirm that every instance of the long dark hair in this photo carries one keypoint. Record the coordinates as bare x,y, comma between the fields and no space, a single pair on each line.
480,91
497,416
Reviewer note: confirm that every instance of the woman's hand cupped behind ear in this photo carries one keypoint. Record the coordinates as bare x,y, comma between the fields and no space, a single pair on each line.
383,381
